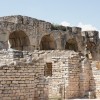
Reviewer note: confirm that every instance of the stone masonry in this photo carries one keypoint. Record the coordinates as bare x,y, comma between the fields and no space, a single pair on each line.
42,61
26,81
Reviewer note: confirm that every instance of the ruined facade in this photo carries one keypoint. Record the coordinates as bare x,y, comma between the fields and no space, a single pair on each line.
41,61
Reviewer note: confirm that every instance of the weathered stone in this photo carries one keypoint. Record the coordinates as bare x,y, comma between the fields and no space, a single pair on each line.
45,62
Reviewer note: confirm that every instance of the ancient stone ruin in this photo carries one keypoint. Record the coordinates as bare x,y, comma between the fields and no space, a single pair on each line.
42,61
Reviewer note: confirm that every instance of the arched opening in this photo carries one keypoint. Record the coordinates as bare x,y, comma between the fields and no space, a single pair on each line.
47,43
71,44
91,48
19,40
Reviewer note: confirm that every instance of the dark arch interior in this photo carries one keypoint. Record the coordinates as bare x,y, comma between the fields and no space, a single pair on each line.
47,43
19,40
71,44
91,46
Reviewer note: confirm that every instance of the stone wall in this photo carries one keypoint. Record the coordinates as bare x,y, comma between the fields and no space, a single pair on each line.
95,80
17,82
51,62
35,30
23,79
85,77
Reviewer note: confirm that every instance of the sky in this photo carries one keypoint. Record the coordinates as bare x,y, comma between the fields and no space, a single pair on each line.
82,13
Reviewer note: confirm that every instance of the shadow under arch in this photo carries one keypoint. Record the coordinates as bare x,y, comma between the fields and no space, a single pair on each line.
47,43
19,40
71,44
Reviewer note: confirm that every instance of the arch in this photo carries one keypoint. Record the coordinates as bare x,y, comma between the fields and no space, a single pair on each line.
71,44
47,43
91,47
19,40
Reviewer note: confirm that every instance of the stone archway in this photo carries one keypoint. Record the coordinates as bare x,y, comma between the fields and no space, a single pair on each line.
19,40
71,44
47,43
91,47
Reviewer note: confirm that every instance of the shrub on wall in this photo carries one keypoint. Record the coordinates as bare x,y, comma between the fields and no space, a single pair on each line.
58,27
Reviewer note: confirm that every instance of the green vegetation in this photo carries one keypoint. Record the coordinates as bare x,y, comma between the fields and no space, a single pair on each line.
58,27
